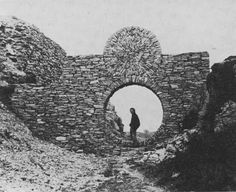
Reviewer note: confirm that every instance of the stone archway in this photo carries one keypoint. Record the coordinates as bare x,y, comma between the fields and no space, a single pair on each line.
129,84
109,112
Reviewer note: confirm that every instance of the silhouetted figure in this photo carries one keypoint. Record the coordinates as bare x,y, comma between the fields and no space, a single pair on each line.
134,125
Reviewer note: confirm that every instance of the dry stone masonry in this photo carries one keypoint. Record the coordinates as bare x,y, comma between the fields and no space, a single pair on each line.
24,50
70,111
26,56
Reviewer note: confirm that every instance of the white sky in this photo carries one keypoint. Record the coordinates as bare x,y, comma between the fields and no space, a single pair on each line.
147,106
82,27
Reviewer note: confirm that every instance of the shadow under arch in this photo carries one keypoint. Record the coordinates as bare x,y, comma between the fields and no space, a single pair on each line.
127,85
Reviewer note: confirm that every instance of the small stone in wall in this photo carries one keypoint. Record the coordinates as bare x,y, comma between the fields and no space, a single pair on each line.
61,138
39,121
94,82
173,86
76,136
85,132
98,106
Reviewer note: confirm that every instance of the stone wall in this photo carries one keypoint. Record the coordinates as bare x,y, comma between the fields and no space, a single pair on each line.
71,111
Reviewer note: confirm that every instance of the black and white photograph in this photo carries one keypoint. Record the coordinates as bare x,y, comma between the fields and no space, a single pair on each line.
117,95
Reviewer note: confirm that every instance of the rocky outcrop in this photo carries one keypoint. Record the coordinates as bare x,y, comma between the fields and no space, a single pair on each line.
14,135
221,86
26,56
168,149
221,82
226,117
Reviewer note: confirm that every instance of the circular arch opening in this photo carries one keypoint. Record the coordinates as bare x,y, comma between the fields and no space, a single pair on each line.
146,102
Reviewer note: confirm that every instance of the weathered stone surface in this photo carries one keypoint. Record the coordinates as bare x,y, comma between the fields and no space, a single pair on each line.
166,150
221,87
134,45
226,117
27,55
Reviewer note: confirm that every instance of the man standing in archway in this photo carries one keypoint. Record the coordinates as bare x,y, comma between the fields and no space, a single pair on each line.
134,125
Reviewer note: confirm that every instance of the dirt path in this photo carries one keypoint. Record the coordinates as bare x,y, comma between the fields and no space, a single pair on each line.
125,178
49,168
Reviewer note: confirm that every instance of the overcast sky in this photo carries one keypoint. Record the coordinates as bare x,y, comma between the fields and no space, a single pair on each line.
82,27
